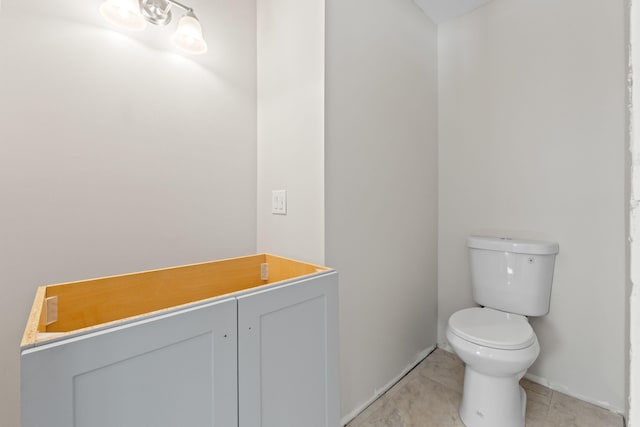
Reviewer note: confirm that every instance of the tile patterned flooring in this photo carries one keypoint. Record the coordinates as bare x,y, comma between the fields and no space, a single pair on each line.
430,394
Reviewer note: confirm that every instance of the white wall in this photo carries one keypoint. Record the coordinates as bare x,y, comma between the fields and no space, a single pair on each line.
381,188
117,156
291,127
532,144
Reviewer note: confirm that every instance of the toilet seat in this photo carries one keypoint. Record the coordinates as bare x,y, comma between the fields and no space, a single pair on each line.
492,328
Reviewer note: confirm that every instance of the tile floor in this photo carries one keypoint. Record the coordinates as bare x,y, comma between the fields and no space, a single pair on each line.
429,396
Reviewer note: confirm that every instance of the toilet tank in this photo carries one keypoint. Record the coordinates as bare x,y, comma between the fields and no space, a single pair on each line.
512,275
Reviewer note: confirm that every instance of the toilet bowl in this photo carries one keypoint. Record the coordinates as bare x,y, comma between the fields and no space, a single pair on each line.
497,349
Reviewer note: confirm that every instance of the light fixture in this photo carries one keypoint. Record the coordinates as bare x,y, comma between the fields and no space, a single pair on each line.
133,15
188,36
123,13
157,12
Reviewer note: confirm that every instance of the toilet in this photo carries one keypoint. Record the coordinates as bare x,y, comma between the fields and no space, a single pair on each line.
511,279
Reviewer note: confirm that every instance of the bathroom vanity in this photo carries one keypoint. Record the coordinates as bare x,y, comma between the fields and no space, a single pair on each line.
250,341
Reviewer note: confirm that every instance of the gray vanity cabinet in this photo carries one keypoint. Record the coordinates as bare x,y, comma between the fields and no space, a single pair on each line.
265,355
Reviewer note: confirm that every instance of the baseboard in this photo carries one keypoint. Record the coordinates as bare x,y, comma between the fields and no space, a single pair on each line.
534,378
379,392
446,347
565,390
556,387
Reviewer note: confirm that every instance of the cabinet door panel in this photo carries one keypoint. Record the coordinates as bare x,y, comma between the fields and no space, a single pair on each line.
174,370
288,355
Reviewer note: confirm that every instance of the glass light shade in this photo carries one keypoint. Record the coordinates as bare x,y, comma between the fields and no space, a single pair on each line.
124,14
188,35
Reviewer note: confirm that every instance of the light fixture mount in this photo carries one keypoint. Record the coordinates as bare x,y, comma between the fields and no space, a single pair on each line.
158,12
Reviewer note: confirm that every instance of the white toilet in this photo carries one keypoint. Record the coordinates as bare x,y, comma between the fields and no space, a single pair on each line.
511,279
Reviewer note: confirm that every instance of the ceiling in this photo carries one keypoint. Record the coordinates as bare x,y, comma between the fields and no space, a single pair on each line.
443,10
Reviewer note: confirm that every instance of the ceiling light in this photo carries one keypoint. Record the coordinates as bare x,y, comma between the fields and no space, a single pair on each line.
133,15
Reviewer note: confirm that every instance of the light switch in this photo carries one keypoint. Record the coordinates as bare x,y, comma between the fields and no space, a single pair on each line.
279,202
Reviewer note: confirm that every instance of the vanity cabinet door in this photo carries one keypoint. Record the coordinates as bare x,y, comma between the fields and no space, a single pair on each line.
177,369
288,355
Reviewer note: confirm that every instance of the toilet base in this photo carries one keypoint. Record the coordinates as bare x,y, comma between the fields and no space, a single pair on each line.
492,401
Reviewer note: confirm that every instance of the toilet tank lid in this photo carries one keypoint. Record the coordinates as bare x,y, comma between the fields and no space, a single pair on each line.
508,244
